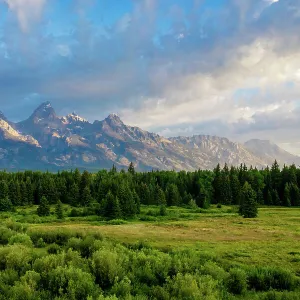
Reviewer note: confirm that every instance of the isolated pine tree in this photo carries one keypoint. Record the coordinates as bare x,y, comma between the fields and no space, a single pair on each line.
131,169
44,208
248,207
59,210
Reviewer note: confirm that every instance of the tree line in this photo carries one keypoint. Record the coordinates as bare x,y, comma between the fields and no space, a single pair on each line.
119,194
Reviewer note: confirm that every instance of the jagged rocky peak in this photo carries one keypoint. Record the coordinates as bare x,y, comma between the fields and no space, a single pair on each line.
73,118
114,119
44,111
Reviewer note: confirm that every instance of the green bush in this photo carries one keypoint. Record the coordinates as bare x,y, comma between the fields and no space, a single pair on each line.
53,249
21,238
190,286
71,283
264,279
237,281
5,235
107,267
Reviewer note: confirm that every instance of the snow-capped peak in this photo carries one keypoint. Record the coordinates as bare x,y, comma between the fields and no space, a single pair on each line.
73,117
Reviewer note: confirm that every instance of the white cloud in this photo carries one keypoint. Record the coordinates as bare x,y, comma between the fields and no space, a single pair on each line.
27,11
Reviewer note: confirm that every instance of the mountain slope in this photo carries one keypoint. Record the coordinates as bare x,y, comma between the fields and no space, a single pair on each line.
268,151
48,141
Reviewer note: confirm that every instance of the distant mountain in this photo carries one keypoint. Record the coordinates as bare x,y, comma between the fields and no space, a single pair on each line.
268,151
48,141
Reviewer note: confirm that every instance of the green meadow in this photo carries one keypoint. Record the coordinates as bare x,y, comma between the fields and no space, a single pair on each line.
190,253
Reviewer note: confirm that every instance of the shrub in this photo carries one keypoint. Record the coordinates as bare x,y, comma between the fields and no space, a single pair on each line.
106,266
75,213
237,281
163,210
21,238
5,235
264,279
116,222
193,287
53,249
40,243
71,283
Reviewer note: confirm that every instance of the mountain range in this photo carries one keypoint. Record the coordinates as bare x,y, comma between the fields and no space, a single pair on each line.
46,141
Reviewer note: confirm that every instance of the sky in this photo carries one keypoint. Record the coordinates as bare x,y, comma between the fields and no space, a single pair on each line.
175,67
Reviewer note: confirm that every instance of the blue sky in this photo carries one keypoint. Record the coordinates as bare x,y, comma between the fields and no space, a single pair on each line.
176,67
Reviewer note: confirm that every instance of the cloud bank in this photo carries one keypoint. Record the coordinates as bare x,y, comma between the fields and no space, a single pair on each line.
229,68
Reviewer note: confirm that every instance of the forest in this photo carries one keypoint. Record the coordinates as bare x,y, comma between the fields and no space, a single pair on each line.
116,195
230,233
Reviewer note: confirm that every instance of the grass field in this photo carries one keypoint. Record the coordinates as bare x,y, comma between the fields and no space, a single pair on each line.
188,254
271,239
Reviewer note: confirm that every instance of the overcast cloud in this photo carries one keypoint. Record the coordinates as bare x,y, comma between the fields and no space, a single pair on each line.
229,68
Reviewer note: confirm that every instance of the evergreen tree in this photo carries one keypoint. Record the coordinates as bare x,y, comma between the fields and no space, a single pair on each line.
160,197
145,195
217,185
86,197
131,169
287,195
248,207
111,209
128,206
173,196
59,210
14,192
44,208
74,195
3,189
235,189
275,198
5,204
295,195
137,201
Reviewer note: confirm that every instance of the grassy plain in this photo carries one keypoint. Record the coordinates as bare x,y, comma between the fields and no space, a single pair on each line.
273,239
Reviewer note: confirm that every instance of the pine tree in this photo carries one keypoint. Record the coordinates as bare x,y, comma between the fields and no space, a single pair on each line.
44,208
248,207
295,195
111,207
74,195
86,197
59,210
235,189
287,195
131,169
160,197
275,198
3,189
173,196
137,201
5,204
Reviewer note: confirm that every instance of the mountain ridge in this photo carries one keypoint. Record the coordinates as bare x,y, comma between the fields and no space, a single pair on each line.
71,141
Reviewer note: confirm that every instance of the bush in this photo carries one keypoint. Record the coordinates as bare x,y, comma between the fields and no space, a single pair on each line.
5,235
116,222
71,283
53,249
237,281
75,213
106,267
40,243
193,287
264,279
21,238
